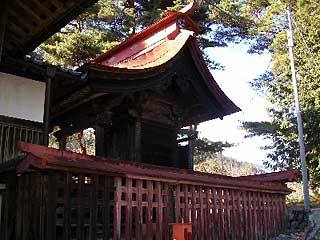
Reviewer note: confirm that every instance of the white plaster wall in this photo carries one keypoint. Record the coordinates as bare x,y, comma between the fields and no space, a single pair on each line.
21,98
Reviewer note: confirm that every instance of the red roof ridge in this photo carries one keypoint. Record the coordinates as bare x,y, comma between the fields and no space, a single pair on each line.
152,29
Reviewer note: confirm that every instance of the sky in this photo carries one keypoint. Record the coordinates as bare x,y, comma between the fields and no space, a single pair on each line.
240,69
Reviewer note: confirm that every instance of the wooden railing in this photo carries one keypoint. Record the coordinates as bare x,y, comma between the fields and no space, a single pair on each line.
10,133
84,206
74,196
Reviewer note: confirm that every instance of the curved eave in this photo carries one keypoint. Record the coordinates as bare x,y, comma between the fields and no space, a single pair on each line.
228,105
153,67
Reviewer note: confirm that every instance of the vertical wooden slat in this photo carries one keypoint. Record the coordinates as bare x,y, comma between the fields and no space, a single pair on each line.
26,136
227,214
166,212
51,210
193,212
177,204
273,215
266,199
159,212
67,211
149,210
280,222
139,210
221,214
117,209
93,208
234,219
32,136
249,214
255,218
201,213
128,221
265,226
270,215
264,213
276,214
215,214
186,204
13,152
239,227
208,226
20,134
273,227
285,212
6,145
106,207
245,214
80,208
259,216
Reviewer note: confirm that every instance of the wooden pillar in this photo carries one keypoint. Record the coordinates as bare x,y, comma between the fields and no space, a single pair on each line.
193,130
101,149
63,143
3,22
137,141
190,154
51,71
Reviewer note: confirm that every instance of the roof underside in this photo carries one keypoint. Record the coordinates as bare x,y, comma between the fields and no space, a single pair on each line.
30,22
185,63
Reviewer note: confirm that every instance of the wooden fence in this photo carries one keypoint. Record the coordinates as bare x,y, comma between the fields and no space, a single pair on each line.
10,133
84,206
64,195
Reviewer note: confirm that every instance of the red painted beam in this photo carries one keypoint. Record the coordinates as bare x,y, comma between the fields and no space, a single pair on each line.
42,157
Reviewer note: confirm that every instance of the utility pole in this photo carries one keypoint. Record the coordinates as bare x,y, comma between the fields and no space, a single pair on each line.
299,119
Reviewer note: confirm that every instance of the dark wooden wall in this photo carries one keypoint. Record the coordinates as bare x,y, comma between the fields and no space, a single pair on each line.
159,145
121,141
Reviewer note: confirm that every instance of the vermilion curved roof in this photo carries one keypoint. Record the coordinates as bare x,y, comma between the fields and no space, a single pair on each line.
153,55
159,45
153,46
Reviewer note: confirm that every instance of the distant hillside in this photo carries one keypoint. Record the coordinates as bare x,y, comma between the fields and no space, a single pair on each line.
227,166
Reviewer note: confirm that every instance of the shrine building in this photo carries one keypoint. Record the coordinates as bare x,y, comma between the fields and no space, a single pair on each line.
140,184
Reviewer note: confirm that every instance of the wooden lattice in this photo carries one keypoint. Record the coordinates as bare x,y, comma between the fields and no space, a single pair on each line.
65,205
